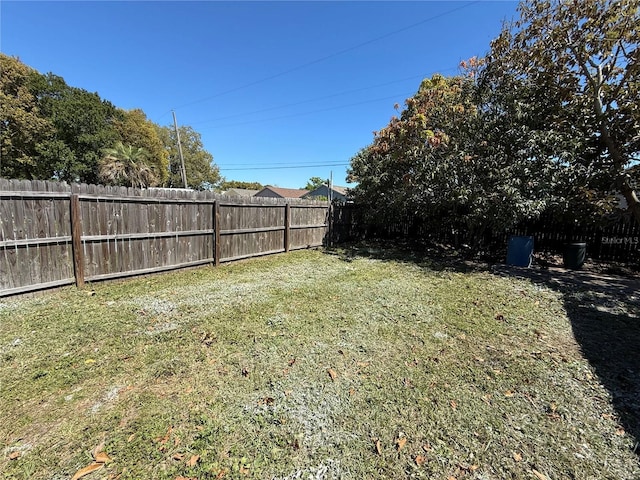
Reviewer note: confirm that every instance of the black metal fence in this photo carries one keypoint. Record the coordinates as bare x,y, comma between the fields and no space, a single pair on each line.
617,240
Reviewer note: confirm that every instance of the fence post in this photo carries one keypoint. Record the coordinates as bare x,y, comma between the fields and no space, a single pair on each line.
76,240
330,227
216,233
287,225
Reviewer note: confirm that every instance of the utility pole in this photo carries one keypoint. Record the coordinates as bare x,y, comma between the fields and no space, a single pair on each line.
183,171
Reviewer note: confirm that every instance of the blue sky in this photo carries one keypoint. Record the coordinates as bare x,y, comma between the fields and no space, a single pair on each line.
271,86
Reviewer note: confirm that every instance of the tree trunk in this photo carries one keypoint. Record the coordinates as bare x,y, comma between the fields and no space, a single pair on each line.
630,195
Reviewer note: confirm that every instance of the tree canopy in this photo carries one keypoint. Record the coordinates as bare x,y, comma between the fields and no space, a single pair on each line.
314,182
53,131
135,129
548,120
566,74
202,173
227,184
440,161
126,165
22,127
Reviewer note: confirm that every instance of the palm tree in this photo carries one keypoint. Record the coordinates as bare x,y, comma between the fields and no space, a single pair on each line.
126,165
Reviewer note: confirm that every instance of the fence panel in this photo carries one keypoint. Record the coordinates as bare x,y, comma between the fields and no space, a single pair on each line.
309,225
35,236
249,229
128,233
53,234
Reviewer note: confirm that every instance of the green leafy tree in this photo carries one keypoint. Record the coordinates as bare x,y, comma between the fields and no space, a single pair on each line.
440,161
202,173
127,166
227,184
83,127
314,182
23,129
564,80
135,129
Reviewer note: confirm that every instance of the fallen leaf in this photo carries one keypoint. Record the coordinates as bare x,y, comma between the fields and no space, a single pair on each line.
538,474
101,457
352,392
362,364
517,457
193,460
420,460
508,393
453,404
87,470
221,473
14,455
332,373
166,436
620,431
378,447
178,456
426,447
98,449
244,470
401,442
131,437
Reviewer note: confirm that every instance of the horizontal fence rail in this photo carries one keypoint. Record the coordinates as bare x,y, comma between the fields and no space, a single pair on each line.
54,234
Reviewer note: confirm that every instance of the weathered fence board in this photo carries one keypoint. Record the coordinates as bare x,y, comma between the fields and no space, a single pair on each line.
35,235
54,234
308,226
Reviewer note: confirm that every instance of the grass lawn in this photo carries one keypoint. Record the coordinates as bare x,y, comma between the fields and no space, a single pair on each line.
305,365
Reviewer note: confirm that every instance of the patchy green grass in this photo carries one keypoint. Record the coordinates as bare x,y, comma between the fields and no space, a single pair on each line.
305,365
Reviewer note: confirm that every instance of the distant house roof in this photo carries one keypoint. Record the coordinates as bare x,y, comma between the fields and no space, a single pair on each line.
241,192
340,190
277,192
339,193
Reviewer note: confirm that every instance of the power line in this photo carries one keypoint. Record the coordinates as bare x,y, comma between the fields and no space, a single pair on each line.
288,167
317,99
327,57
311,164
299,114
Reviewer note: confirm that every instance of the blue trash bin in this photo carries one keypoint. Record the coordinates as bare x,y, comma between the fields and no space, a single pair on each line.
520,251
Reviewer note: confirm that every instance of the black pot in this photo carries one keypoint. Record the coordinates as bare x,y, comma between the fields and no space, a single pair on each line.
574,255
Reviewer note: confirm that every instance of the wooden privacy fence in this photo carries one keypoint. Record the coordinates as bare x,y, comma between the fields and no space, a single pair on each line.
54,234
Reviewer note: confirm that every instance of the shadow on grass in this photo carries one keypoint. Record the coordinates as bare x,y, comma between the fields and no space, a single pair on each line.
604,311
432,257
